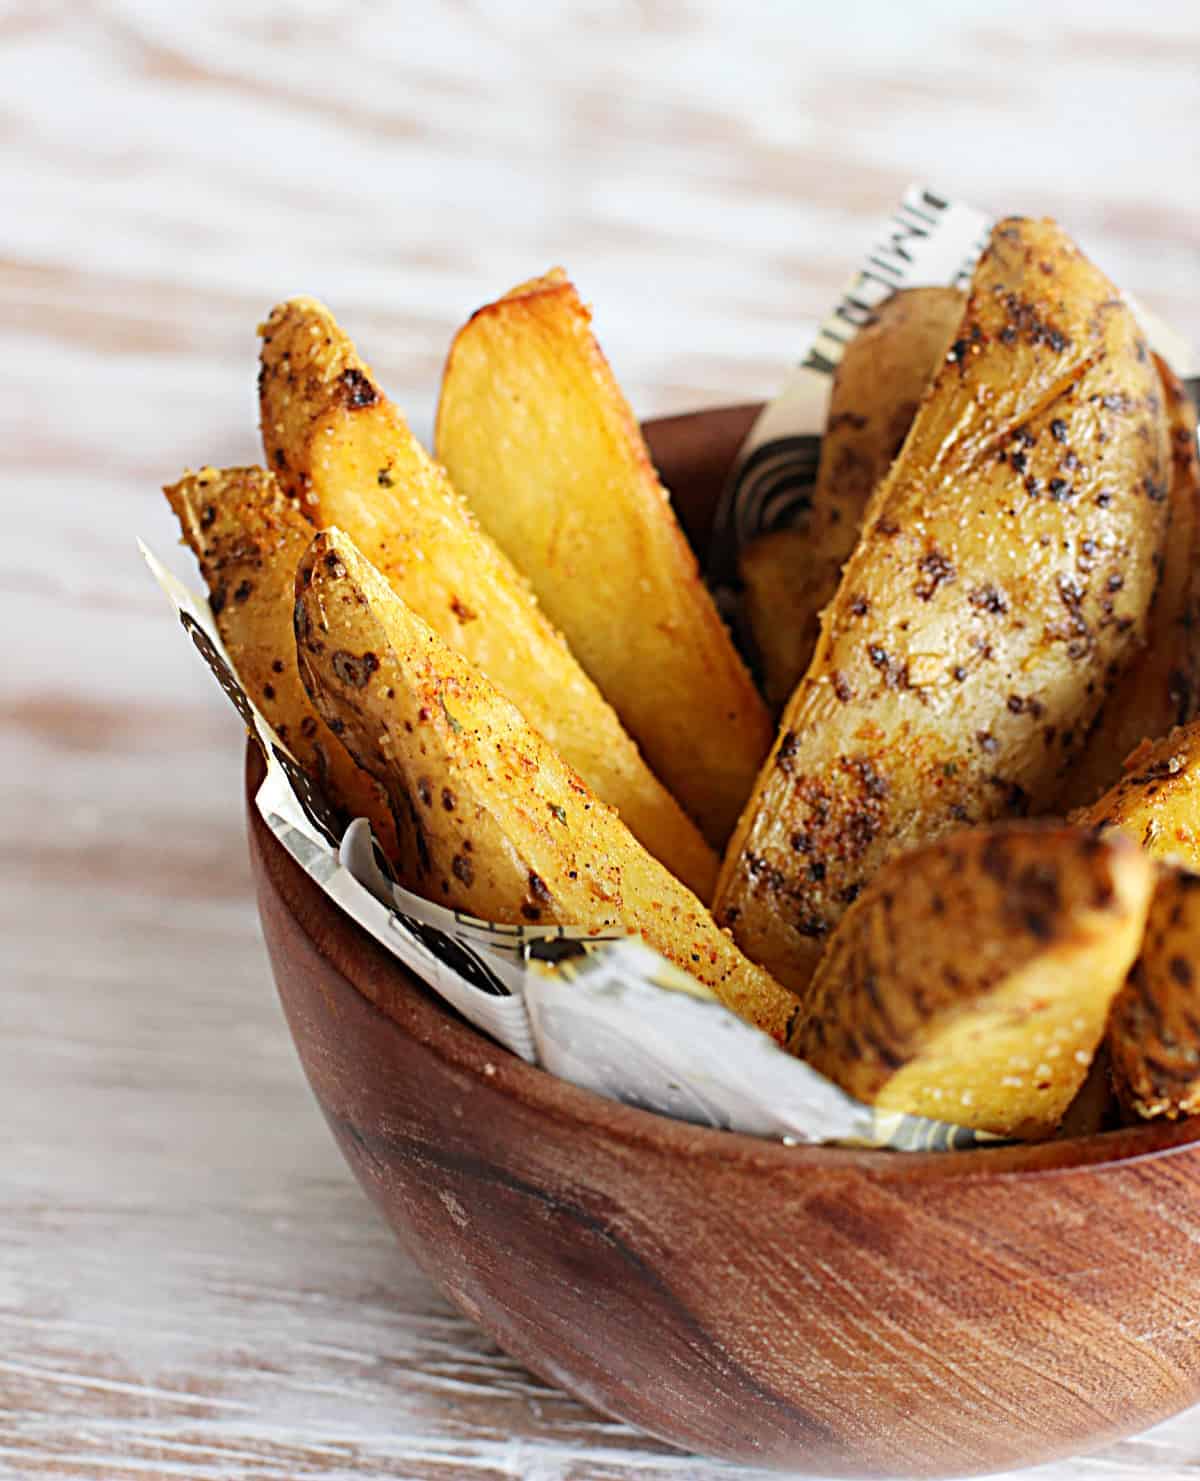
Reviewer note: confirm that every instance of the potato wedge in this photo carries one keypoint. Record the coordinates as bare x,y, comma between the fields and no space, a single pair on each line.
491,820
1157,800
972,980
345,452
1154,1028
1000,585
539,439
248,538
790,575
775,572
1161,686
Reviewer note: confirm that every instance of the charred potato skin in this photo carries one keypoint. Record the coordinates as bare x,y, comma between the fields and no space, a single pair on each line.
1028,928
491,821
539,438
790,575
1157,800
1160,688
965,654
1154,1029
248,538
345,454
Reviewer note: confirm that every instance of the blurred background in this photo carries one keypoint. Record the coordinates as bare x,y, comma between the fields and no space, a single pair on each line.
174,1220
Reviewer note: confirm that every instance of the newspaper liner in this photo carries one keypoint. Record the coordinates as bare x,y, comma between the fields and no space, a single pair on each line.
603,1010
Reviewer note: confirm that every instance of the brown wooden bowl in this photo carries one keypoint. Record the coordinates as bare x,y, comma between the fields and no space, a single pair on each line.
824,1310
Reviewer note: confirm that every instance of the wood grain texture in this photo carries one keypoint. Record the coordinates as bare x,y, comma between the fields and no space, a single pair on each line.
190,1283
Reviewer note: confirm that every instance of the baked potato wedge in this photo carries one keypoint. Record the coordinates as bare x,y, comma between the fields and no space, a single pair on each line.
490,819
1157,800
1001,584
790,575
972,979
777,603
343,450
1161,686
1154,1028
248,538
539,439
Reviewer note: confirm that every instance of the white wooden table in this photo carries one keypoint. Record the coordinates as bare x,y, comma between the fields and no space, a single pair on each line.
190,1283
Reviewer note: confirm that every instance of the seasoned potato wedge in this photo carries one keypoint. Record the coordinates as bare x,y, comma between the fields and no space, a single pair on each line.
248,538
537,436
1157,800
777,602
1161,686
789,576
972,979
490,819
1000,585
1154,1028
345,452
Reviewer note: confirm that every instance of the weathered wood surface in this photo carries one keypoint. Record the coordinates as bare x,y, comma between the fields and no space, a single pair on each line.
191,1285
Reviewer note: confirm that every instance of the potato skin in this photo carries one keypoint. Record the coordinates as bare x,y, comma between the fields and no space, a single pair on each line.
885,371
1154,1028
972,980
538,437
1160,687
248,538
490,819
1157,800
1000,585
345,453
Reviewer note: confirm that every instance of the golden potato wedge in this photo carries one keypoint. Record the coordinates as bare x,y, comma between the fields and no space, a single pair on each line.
345,452
538,438
1157,800
790,575
491,820
972,980
778,605
1154,1027
1161,686
1001,582
248,538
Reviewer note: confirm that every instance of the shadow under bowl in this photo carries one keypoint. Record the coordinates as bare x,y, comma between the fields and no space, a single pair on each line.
824,1310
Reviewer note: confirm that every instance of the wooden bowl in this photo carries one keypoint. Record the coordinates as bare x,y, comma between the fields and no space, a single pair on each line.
824,1310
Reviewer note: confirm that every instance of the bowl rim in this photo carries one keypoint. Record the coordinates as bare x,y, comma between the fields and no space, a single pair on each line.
354,954
428,1020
